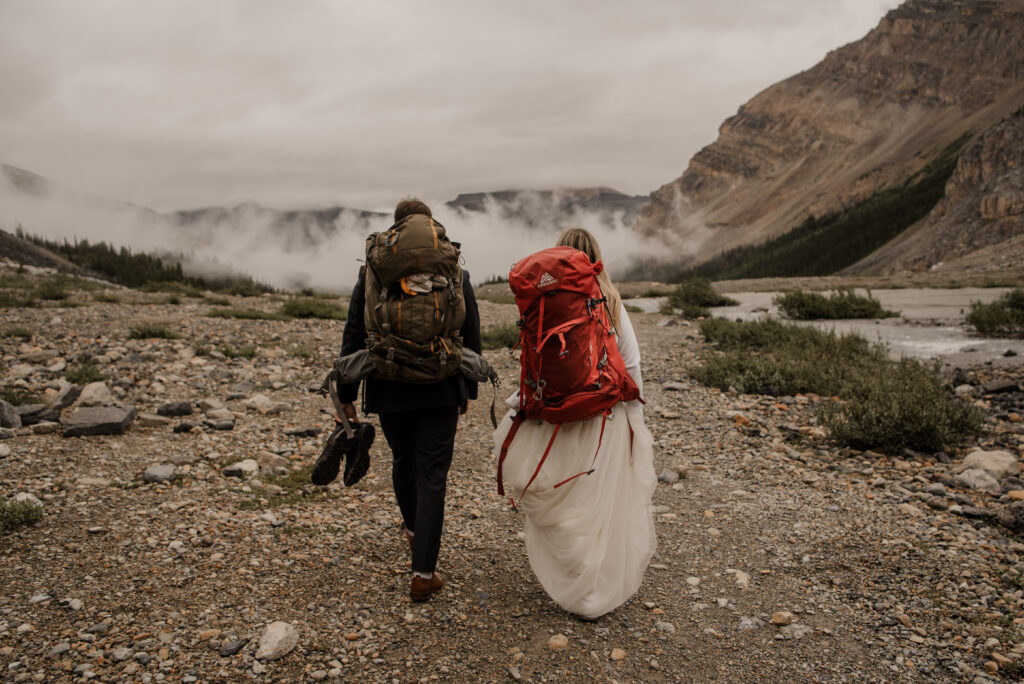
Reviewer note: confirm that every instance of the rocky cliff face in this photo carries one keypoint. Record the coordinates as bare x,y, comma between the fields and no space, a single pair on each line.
983,209
866,117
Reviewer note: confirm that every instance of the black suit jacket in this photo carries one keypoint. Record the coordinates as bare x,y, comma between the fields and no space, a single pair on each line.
382,396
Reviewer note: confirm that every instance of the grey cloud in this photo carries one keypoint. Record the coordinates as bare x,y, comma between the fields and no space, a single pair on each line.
194,103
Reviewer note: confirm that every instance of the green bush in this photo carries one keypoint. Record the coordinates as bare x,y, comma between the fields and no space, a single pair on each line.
246,352
84,373
17,331
697,292
501,336
147,331
1002,318
107,297
905,406
17,300
19,397
313,307
769,357
244,314
16,513
632,308
54,289
841,304
882,405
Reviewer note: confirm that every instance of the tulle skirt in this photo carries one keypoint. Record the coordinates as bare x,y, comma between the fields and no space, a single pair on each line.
589,540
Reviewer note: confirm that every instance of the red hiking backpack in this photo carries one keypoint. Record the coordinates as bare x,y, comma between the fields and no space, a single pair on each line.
571,368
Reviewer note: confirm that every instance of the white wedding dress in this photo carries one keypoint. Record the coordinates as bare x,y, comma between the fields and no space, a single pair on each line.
590,540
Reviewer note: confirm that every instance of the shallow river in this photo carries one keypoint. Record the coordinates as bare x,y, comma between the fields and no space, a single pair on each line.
931,323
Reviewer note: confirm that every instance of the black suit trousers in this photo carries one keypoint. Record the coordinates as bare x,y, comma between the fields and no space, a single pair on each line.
422,443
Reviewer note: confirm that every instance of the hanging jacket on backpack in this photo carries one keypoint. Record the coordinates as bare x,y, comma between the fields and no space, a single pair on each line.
570,365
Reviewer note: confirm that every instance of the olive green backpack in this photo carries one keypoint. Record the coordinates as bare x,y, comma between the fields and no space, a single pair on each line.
414,304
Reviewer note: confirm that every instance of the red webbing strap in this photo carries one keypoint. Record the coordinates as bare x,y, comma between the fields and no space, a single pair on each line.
558,330
542,459
516,422
540,332
600,438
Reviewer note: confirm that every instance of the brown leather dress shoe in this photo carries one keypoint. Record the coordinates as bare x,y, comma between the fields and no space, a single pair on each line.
421,589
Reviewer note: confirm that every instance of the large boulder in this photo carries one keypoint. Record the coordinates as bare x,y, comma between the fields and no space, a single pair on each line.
175,408
1012,516
99,420
998,464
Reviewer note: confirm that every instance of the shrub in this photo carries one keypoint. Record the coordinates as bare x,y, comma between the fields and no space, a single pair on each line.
215,300
107,297
905,406
1002,318
885,405
84,373
146,331
246,352
244,314
19,397
16,513
843,303
313,307
632,308
17,331
501,336
15,300
301,351
697,292
53,289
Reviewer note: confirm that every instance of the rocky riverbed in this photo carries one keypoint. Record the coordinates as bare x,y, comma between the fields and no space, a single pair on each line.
189,548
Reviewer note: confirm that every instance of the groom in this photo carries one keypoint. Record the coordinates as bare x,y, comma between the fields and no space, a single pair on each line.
419,422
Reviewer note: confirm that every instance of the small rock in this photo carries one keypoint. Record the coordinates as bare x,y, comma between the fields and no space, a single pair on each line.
232,646
159,473
153,420
9,417
175,409
243,469
796,630
26,496
558,642
666,627
96,394
749,624
278,639
668,476
976,478
782,618
617,655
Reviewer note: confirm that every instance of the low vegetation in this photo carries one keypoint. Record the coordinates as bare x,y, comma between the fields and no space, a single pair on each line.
244,314
501,336
296,488
84,373
15,396
245,352
17,331
881,404
147,331
17,513
693,297
313,307
841,304
1002,318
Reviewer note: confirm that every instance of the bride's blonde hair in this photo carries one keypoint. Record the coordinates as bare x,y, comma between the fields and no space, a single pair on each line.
581,239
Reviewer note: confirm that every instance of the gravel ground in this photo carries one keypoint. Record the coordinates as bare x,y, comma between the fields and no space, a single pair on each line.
780,558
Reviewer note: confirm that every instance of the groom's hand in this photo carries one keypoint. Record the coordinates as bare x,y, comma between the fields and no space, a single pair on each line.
349,409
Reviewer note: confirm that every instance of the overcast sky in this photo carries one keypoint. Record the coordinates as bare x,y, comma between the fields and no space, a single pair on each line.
318,102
